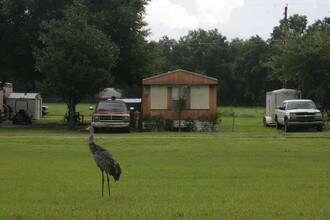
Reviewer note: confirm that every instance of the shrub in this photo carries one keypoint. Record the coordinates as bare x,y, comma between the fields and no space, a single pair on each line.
210,122
154,122
189,124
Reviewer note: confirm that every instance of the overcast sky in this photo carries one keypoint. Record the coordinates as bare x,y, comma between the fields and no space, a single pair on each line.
232,18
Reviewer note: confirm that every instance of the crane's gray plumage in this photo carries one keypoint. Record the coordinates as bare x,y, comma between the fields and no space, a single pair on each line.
104,160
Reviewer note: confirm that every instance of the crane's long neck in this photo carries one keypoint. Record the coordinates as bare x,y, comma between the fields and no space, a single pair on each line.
92,146
91,138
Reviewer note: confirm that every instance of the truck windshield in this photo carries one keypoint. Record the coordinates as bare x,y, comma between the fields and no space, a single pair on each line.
111,106
301,105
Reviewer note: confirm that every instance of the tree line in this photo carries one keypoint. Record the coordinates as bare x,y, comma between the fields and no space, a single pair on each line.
75,48
295,56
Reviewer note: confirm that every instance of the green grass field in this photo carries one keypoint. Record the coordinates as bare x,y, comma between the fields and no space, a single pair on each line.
249,172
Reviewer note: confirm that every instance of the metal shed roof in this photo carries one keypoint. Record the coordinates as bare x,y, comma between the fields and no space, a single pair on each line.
107,93
131,100
21,95
284,91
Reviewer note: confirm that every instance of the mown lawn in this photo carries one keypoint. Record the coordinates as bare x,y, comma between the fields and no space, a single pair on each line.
251,172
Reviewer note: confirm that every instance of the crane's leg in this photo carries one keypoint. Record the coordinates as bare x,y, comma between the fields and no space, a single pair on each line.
102,182
108,183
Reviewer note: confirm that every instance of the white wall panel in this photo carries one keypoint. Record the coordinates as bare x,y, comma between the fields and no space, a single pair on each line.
158,97
200,97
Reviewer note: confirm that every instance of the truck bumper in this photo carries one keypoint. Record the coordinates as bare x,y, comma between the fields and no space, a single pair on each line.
110,125
306,124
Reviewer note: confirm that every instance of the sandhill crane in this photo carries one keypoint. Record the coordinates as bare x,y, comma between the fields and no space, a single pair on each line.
104,160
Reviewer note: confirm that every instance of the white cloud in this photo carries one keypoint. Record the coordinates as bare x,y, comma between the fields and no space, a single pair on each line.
314,2
163,12
317,3
208,12
233,18
213,12
164,17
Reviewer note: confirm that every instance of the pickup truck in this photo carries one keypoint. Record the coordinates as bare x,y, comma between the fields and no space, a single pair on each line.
111,114
300,113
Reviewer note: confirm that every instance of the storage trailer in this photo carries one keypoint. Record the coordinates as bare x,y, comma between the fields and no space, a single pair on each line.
29,102
275,99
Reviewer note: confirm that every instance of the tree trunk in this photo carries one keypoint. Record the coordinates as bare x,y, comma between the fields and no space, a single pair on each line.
180,121
72,113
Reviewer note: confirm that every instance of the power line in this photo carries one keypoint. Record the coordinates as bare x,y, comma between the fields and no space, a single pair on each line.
223,43
275,5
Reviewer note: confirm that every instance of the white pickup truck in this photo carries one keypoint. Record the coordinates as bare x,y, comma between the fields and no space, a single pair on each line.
298,113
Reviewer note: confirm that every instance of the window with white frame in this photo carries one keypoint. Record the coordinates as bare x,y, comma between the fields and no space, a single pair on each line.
158,97
200,97
179,96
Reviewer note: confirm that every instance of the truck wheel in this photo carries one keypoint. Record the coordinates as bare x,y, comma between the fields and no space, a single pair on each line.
28,120
319,128
278,125
264,122
14,120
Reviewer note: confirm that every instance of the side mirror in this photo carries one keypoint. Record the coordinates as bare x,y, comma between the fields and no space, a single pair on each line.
91,108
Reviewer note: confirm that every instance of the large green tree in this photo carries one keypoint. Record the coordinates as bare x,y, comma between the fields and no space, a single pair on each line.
307,63
284,37
295,24
122,20
204,52
250,72
304,60
76,58
243,78
167,48
19,25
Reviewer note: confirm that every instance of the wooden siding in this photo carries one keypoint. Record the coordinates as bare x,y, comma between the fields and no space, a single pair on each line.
180,77
213,98
1,102
194,114
169,97
146,100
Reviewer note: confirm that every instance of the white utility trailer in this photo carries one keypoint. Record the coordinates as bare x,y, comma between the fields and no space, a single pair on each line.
274,99
29,102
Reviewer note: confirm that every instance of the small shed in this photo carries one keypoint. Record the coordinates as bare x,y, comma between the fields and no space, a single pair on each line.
30,102
133,104
161,94
1,101
107,93
6,89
